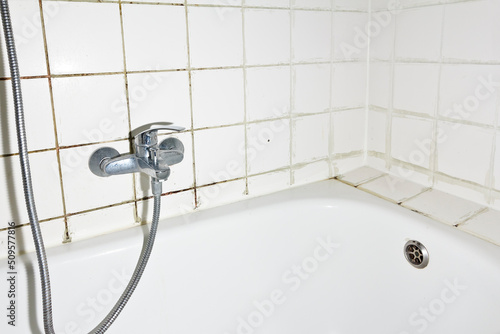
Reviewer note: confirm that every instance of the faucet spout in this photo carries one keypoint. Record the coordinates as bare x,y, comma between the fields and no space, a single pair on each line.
122,164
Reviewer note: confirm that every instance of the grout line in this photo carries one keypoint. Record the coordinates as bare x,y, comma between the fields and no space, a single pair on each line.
490,183
367,93
167,70
9,155
424,116
331,144
463,221
247,167
67,233
292,95
127,99
26,77
195,187
388,130
185,4
351,154
426,189
445,61
41,221
370,179
335,61
419,6
433,158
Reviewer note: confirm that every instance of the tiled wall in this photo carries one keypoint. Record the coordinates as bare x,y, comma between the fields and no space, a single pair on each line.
434,95
268,93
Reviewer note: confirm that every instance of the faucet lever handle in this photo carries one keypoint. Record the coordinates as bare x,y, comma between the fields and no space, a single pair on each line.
146,134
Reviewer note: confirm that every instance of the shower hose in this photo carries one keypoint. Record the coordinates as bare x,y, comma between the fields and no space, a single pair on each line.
104,325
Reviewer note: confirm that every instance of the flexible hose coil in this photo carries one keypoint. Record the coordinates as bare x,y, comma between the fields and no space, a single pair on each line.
31,207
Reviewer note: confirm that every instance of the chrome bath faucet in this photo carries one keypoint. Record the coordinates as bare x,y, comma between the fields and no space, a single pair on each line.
149,158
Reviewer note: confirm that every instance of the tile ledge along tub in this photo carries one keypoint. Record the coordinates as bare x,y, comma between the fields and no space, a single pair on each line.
324,258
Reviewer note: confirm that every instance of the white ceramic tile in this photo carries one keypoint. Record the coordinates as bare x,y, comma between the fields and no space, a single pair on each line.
416,87
485,225
163,1
496,169
221,193
84,190
375,161
376,132
444,207
99,222
470,29
267,92
320,4
52,231
28,37
158,97
171,205
311,36
351,41
218,97
181,174
409,173
341,166
349,85
215,39
268,146
38,116
419,3
220,154
267,36
469,92
268,183
459,145
411,140
415,40
360,175
380,84
311,88
96,97
76,45
349,131
46,188
352,5
382,38
216,2
379,5
155,37
393,188
311,172
267,3
461,189
310,136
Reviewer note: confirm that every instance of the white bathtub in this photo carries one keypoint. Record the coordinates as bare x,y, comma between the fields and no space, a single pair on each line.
320,259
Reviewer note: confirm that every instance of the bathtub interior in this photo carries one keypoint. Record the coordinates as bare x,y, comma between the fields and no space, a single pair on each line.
323,258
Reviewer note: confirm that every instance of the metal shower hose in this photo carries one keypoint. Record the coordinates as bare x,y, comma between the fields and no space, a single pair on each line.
30,201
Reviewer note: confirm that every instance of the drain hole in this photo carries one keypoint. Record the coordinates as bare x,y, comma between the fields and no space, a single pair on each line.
416,254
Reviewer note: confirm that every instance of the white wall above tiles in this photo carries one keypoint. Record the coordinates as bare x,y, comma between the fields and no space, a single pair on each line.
267,96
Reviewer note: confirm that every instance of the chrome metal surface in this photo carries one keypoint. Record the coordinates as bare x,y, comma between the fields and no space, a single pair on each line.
100,156
416,254
150,158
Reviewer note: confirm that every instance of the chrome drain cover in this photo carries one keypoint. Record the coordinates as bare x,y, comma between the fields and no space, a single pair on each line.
416,254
